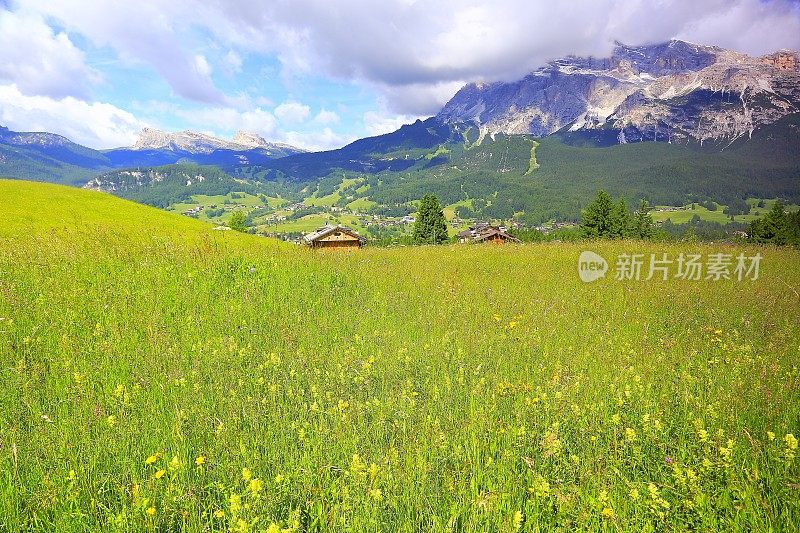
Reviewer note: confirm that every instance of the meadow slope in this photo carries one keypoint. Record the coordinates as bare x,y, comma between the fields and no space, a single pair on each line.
159,376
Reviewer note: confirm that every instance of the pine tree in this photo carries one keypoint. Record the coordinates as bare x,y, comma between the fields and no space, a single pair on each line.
620,220
430,226
642,225
772,228
596,218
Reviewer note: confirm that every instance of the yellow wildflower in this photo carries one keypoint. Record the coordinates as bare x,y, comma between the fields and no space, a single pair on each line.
111,421
630,434
219,513
770,435
151,511
236,503
791,446
608,513
376,494
152,459
255,486
373,470
160,473
201,459
246,474
517,520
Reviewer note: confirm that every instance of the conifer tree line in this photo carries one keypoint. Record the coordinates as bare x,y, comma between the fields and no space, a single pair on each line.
776,227
605,219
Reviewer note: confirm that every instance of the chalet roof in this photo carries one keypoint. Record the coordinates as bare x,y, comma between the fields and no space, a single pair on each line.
482,232
326,230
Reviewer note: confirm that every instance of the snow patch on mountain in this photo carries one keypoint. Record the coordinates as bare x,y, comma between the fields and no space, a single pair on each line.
671,91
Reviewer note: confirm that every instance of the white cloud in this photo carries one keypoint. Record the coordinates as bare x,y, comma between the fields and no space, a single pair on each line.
233,62
419,98
230,119
97,125
150,31
326,117
317,140
378,123
292,112
38,60
201,65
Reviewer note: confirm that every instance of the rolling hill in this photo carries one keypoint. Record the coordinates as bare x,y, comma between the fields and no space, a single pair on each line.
34,209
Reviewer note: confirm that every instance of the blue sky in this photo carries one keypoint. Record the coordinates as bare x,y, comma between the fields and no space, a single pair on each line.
315,73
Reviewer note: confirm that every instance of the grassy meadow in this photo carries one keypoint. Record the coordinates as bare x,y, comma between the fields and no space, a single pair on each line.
156,375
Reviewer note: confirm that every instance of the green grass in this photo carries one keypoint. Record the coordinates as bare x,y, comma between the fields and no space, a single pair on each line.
203,200
330,199
309,223
440,150
450,209
533,164
458,388
688,212
361,205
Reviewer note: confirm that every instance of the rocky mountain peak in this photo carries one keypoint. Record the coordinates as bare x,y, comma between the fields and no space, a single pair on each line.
201,143
675,91
246,138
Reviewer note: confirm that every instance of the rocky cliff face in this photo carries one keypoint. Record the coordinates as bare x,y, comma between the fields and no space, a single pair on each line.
14,138
675,92
200,143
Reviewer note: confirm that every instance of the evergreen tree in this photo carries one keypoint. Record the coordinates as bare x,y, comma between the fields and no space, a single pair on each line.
772,228
620,220
596,220
642,225
430,226
238,222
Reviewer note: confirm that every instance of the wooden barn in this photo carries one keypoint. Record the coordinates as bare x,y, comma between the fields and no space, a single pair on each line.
334,237
487,233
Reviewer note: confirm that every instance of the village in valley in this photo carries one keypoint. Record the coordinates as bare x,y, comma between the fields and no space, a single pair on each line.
307,222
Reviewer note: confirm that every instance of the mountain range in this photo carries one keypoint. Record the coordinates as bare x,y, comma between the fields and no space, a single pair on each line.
676,92
719,126
50,157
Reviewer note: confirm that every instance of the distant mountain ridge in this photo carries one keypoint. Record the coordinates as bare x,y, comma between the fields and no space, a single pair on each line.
50,157
675,91
201,143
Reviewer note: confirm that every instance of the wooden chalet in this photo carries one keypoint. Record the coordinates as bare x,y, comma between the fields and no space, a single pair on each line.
334,237
487,233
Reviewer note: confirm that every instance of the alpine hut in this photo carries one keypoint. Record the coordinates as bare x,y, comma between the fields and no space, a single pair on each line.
330,236
487,233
